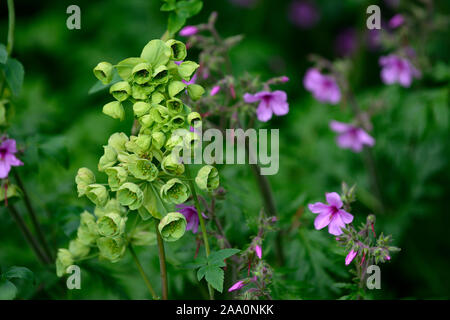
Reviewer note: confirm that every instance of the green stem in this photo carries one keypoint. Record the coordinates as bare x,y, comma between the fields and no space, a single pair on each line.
202,221
33,216
162,264
141,271
11,24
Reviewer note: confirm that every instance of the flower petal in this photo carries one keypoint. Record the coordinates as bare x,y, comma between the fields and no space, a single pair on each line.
335,225
264,112
339,127
322,220
345,216
334,199
318,207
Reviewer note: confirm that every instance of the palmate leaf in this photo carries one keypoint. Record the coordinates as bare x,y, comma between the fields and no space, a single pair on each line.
214,275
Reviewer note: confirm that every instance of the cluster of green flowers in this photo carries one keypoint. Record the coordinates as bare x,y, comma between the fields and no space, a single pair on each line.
144,171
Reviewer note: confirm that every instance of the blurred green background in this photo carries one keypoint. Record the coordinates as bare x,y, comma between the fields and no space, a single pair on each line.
61,128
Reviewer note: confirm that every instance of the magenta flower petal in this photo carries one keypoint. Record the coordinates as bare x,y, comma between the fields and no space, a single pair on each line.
396,69
312,79
334,199
324,88
269,103
322,220
350,256
215,90
7,157
238,285
339,127
188,31
258,251
336,225
396,21
345,216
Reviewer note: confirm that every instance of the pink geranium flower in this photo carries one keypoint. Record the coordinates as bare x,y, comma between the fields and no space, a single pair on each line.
396,69
269,103
324,88
7,157
351,137
396,21
238,285
331,214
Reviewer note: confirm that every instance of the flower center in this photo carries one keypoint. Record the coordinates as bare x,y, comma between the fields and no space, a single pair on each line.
3,152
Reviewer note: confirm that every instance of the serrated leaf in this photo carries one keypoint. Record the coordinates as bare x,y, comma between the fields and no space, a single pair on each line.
201,273
14,74
221,255
214,276
8,290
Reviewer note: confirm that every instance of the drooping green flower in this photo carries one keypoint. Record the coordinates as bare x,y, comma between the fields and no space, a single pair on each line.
207,178
111,249
112,206
116,177
172,165
120,90
117,141
84,178
115,110
174,191
142,73
177,122
104,72
172,227
194,120
78,249
141,108
108,159
176,87
157,98
111,225
186,69
175,106
178,49
143,169
158,139
87,232
64,259
97,193
129,194
195,91
159,113
160,75
156,52
141,91
139,144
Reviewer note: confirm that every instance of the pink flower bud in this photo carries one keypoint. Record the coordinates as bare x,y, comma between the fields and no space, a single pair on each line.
350,256
188,31
258,251
238,285
284,79
215,90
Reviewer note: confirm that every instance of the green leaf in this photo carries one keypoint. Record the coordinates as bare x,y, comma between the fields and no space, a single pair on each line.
14,74
8,290
218,256
169,5
125,67
19,273
156,52
214,276
201,273
187,9
56,147
176,22
3,54
13,191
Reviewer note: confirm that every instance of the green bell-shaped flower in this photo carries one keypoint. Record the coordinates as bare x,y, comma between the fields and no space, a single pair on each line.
159,114
143,169
157,98
171,165
141,108
115,110
160,75
129,194
175,106
194,120
177,122
98,194
116,177
174,191
207,178
172,227
78,249
108,159
111,225
187,69
112,206
195,91
87,232
104,72
158,139
84,178
142,73
175,88
111,249
120,90
178,49
139,144
141,91
64,259
117,141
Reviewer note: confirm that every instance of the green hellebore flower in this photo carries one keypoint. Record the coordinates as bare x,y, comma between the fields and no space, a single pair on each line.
191,140
175,140
141,91
111,225
174,191
141,108
116,177
195,91
146,121
175,88
113,206
78,249
98,194
114,109
125,67
120,90
177,121
111,249
207,178
160,75
108,159
175,106
186,69
129,194
159,113
194,119
142,73
104,72
156,52
84,178
158,139
178,49
171,165
117,141
87,232
139,144
64,259
157,97
173,226
143,169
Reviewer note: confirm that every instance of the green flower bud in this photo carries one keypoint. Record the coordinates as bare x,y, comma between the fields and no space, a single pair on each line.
64,259
175,106
156,52
207,178
159,113
78,249
104,72
108,159
158,139
112,206
174,191
175,88
111,249
120,90
195,91
143,169
171,165
111,225
141,91
141,108
178,49
87,232
160,75
172,227
157,97
98,194
186,69
194,119
139,144
146,121
84,178
142,73
177,122
117,141
129,194
114,110
116,177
